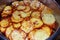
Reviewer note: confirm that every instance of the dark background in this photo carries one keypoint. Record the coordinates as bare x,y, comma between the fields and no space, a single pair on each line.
58,1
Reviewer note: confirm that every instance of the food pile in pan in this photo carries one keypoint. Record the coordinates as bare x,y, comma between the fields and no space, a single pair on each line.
27,20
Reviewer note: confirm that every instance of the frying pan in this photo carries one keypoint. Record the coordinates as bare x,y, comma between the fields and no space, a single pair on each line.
53,36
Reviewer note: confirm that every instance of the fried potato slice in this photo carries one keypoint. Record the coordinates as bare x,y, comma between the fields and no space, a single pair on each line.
15,4
35,14
47,29
27,9
21,2
35,4
29,13
41,7
38,35
16,35
37,22
27,2
16,25
48,19
24,14
47,10
7,11
20,7
27,26
4,23
9,30
2,29
16,17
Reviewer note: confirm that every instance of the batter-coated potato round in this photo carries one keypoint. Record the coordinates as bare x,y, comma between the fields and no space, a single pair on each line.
16,25
46,29
7,11
27,9
27,26
20,7
4,23
9,30
24,14
48,19
16,17
21,2
35,4
15,4
41,7
38,35
27,2
37,22
47,10
16,35
2,29
36,14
